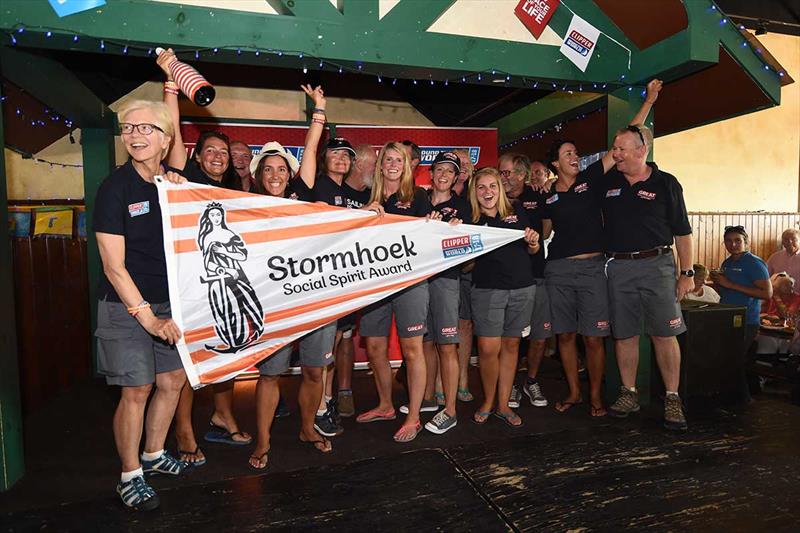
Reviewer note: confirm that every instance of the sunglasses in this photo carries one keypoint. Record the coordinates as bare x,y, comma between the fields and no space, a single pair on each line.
734,228
636,130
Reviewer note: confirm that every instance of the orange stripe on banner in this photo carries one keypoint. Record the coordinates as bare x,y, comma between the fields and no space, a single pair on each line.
201,334
255,213
271,235
250,360
199,195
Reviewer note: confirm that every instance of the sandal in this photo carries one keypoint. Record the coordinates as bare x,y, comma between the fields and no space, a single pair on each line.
263,458
407,433
322,440
565,405
512,418
439,397
597,412
220,435
480,418
373,415
464,395
183,456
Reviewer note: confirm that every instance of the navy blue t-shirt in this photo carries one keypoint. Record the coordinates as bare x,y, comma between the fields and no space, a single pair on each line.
419,206
507,267
455,207
576,215
533,202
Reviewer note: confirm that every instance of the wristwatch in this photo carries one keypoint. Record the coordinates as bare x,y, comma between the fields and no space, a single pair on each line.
688,273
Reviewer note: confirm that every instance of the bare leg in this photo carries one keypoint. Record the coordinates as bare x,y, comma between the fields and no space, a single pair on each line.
415,365
344,364
267,394
431,368
628,360
448,365
223,410
535,355
162,408
569,360
595,364
464,353
668,357
128,424
509,356
184,432
489,359
377,352
308,397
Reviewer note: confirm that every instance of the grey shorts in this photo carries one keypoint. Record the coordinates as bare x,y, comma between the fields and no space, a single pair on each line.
316,350
443,302
465,301
502,313
541,321
126,354
578,296
644,288
410,309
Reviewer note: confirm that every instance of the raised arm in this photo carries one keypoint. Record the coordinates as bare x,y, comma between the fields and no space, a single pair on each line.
653,88
177,153
308,166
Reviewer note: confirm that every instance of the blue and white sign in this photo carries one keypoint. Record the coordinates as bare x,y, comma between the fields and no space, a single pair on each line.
70,7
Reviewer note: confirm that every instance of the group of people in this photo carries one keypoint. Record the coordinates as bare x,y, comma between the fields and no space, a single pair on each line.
610,267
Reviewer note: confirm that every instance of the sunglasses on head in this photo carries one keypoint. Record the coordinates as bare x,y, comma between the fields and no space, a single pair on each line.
636,130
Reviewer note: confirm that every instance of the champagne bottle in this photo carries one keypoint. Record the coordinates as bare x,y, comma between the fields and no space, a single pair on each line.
191,82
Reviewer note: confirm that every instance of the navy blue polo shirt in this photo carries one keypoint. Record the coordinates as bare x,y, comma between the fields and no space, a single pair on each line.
533,203
455,207
127,205
507,267
328,191
419,206
576,215
355,199
645,215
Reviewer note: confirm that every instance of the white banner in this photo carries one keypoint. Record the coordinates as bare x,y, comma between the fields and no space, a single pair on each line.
250,273
580,42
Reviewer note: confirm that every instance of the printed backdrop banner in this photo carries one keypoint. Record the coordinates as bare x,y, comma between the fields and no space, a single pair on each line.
250,273
580,42
481,143
535,14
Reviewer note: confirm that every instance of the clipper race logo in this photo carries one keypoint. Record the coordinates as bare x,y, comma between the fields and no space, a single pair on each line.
580,43
237,313
463,245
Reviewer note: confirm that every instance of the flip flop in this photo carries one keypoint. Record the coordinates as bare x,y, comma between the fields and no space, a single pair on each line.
373,415
220,435
407,433
597,412
563,406
314,443
464,395
508,417
196,452
480,418
259,458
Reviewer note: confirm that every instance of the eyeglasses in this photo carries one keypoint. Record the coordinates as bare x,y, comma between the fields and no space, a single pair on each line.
126,128
635,129
505,173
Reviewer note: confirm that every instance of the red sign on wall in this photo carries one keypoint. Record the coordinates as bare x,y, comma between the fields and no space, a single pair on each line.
535,14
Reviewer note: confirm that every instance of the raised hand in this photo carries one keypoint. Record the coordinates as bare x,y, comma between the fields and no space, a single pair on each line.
316,94
653,88
164,59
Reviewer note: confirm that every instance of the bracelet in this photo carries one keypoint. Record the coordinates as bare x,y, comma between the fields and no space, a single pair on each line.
170,84
318,110
317,121
176,92
141,307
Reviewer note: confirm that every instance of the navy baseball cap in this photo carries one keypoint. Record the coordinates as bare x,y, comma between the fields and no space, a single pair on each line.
340,143
447,157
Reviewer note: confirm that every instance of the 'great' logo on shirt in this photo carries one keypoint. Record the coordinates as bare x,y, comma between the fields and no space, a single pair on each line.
613,192
139,208
583,187
530,205
646,195
552,199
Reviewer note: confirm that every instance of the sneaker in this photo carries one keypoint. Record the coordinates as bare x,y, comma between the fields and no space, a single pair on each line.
428,406
333,411
516,396
327,426
137,494
534,393
627,403
673,413
345,404
282,410
441,423
165,464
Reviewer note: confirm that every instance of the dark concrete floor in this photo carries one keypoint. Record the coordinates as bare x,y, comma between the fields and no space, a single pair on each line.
732,470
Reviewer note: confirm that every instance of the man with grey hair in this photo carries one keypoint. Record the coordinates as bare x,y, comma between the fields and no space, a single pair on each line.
358,184
644,213
788,259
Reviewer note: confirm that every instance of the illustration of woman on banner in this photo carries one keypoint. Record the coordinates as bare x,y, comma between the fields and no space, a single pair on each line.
234,305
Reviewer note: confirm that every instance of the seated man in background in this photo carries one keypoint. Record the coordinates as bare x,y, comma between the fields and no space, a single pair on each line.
788,259
781,312
701,291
